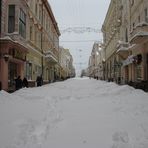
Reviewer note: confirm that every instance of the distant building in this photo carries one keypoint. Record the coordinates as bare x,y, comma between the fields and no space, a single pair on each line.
95,66
111,34
66,63
85,73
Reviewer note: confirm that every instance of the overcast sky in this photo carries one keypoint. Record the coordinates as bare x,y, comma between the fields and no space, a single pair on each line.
79,13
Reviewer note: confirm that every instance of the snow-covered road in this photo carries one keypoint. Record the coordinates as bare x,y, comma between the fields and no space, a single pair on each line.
77,113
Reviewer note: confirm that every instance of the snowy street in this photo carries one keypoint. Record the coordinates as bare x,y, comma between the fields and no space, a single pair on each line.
77,113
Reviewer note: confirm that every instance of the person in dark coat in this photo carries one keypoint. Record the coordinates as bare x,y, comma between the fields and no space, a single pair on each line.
18,83
39,81
25,82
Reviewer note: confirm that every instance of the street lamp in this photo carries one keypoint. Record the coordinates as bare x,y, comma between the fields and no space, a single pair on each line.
5,56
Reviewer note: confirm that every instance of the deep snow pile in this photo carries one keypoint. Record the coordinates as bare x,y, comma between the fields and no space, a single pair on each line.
77,113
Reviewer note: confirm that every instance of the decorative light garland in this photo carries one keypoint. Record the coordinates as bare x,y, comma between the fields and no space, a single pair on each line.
80,30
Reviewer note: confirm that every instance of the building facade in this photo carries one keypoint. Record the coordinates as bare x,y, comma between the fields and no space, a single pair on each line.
43,42
138,40
66,63
29,42
125,42
13,49
111,34
95,66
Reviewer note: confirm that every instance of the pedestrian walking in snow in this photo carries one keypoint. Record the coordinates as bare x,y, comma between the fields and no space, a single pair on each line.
39,81
18,83
25,82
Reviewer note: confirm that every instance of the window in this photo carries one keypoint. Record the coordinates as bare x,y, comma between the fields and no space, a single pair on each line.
132,2
31,32
139,19
36,35
36,9
139,67
133,25
39,39
138,72
22,24
146,15
38,70
29,70
46,23
11,19
126,35
40,13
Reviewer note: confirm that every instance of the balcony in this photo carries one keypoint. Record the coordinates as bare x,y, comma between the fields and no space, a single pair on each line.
139,34
8,42
122,48
51,57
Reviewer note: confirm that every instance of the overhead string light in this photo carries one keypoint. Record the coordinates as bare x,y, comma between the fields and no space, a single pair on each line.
80,30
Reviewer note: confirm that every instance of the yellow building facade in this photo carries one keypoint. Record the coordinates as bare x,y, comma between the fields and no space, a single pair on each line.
43,40
29,41
111,34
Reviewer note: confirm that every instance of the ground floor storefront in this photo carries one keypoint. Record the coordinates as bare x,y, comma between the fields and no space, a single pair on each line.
12,61
135,67
25,61
129,66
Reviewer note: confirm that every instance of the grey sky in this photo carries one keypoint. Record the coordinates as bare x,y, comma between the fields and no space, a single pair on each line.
79,13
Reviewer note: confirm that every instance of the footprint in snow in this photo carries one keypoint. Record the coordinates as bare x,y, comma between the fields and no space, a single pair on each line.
120,140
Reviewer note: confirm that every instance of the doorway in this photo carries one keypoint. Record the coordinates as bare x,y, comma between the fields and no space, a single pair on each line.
12,74
147,66
126,74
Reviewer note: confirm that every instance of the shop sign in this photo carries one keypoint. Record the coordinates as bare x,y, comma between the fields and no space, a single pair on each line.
128,61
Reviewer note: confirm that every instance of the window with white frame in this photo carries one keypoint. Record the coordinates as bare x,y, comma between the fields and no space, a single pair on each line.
11,19
22,24
146,15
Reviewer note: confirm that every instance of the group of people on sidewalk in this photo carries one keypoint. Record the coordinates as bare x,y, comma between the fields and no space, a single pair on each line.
19,83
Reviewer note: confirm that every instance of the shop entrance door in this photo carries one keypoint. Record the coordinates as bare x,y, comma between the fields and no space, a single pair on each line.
147,67
12,74
126,74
